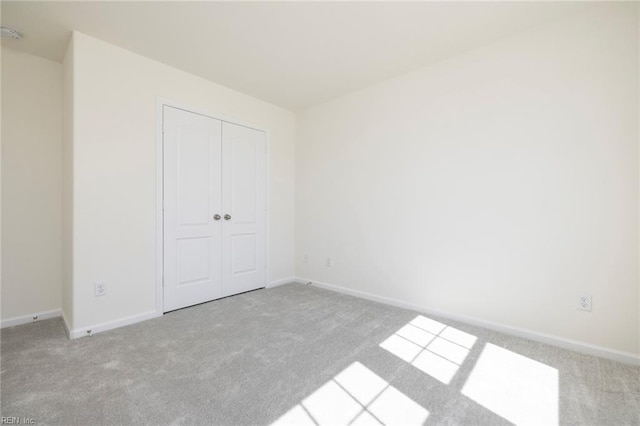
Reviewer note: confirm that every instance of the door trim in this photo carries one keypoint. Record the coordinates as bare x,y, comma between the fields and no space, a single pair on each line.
160,104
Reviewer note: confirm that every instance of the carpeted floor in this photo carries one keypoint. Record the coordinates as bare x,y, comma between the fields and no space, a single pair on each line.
302,355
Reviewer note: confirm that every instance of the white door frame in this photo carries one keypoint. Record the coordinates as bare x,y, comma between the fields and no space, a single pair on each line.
160,104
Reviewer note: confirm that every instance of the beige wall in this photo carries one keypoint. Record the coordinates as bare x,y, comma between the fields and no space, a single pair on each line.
114,174
497,185
31,184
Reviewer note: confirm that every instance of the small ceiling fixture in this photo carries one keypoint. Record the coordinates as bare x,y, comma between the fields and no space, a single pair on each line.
10,33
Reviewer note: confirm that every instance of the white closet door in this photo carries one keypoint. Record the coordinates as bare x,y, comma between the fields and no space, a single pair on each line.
192,199
244,205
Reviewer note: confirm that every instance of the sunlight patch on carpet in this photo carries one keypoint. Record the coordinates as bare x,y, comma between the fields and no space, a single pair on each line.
355,396
432,347
515,387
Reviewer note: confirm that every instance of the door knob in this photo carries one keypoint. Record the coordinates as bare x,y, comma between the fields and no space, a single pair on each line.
227,217
216,217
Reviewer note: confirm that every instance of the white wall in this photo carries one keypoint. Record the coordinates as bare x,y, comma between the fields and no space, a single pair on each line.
31,184
496,185
114,174
67,185
0,183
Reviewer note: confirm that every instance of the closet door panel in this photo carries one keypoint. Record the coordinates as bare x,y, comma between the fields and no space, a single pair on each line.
244,205
192,197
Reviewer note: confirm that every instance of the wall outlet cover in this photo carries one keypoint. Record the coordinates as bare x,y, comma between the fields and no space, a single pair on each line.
584,302
100,288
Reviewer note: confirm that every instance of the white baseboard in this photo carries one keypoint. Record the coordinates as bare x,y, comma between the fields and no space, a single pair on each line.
26,319
110,325
282,281
574,345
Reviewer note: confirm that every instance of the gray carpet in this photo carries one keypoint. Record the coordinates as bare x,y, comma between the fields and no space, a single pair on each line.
300,354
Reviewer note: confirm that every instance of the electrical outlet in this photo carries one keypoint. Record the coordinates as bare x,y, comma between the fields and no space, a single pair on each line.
100,288
328,262
584,302
306,258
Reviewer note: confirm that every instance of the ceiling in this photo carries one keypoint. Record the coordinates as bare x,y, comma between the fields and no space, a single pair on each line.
292,54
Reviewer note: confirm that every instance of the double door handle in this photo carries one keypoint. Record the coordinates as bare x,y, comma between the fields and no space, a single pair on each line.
217,217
